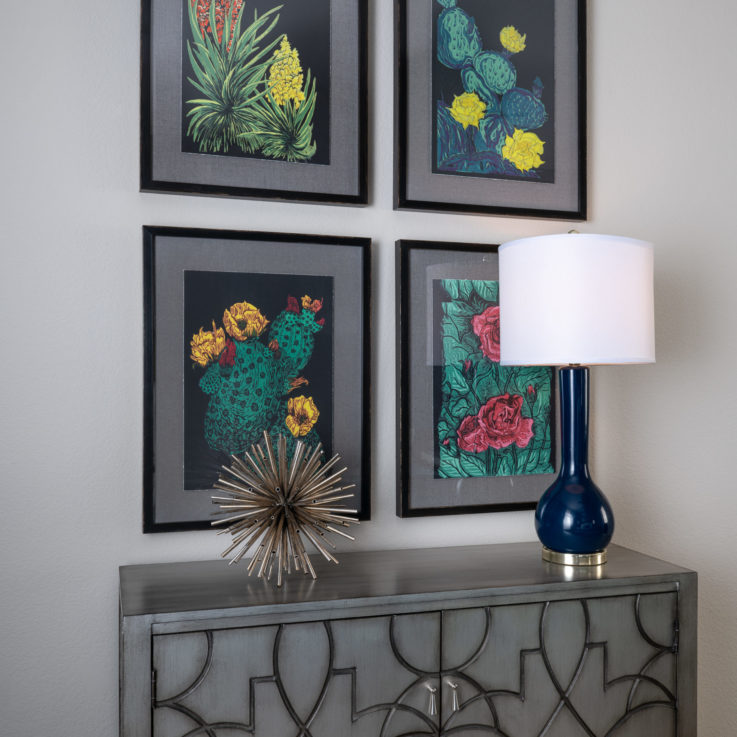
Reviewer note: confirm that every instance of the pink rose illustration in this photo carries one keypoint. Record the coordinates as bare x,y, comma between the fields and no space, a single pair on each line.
472,437
502,420
486,326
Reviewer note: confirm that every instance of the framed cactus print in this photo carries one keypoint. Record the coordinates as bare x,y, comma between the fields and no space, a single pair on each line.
474,436
249,333
491,107
255,98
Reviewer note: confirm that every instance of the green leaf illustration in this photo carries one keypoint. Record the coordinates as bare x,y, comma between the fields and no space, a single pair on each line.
455,380
451,287
506,465
459,310
465,287
487,290
460,407
474,464
449,467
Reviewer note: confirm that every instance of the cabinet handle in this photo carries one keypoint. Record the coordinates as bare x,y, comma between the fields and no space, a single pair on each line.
432,709
455,705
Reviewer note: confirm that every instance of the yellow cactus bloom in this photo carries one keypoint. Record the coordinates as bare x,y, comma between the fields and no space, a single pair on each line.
302,415
207,346
313,305
467,109
285,75
523,149
242,320
512,39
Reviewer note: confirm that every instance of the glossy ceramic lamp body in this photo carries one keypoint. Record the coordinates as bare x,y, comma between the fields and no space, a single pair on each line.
574,300
573,515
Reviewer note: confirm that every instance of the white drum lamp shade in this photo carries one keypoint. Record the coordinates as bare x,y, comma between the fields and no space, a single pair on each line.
576,299
571,301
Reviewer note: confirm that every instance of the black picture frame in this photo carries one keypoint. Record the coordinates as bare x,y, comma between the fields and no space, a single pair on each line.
419,182
165,165
188,276
420,491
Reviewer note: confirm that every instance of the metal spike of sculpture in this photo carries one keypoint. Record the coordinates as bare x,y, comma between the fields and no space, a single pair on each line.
282,504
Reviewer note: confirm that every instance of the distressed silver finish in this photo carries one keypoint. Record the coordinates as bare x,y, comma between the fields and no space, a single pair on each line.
523,652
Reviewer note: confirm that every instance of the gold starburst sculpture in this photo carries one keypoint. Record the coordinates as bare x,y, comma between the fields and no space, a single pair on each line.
282,504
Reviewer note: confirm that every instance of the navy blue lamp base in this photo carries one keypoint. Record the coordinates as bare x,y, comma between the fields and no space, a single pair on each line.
573,518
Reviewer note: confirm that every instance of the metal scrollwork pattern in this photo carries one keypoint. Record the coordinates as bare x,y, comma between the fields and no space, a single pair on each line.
468,705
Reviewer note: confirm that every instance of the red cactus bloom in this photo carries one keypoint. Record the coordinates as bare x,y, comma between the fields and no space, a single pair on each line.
222,9
292,304
227,357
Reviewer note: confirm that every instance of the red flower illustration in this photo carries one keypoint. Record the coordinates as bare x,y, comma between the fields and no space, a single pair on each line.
222,9
472,436
502,420
486,326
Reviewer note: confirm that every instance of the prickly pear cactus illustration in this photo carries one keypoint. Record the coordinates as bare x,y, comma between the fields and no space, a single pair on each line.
251,384
491,74
524,109
294,331
489,127
458,38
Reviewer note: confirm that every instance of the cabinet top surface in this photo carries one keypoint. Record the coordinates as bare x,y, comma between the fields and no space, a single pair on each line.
375,576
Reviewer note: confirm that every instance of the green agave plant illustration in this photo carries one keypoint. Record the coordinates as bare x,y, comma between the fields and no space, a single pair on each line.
230,70
286,131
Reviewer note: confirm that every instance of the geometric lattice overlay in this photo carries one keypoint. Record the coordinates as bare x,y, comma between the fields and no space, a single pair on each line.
591,667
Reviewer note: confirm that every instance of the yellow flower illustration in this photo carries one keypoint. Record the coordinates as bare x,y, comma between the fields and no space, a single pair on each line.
467,109
285,75
523,149
302,415
314,305
243,320
207,346
512,39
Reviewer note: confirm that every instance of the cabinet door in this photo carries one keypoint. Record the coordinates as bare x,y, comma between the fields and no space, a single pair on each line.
585,668
342,678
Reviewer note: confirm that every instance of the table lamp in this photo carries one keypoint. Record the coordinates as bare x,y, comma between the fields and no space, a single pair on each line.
574,300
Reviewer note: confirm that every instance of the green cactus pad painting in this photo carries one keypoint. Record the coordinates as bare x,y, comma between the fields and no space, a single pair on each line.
493,85
258,358
490,420
256,79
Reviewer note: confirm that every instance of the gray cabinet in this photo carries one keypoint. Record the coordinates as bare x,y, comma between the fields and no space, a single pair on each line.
475,641
332,678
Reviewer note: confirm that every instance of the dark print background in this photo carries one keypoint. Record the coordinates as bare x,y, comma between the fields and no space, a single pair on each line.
490,420
258,357
493,83
260,97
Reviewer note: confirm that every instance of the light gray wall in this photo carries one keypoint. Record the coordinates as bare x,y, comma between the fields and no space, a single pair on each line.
662,167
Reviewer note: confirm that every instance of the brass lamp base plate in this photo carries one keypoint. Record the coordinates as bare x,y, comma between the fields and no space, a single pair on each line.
574,559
